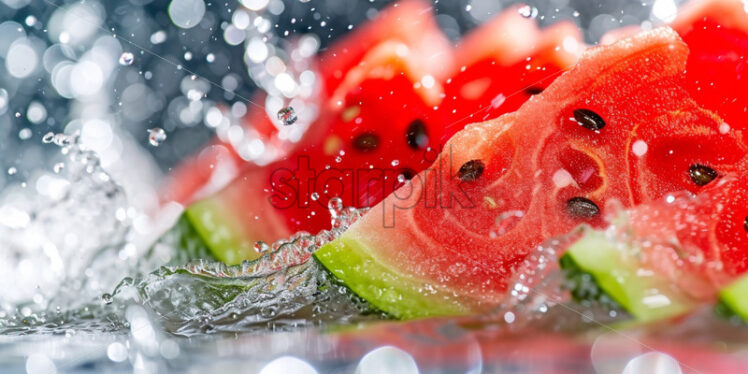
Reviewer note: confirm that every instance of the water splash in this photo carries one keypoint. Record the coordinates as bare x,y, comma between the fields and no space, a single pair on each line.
54,225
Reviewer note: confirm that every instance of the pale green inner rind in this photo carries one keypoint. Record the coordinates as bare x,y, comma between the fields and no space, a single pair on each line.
735,297
616,272
221,233
393,292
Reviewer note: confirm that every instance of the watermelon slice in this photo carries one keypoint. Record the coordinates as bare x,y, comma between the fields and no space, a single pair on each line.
673,254
382,124
447,242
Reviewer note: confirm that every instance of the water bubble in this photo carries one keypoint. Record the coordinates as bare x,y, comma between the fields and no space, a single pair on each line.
117,352
315,196
509,317
335,206
126,59
48,137
287,116
107,298
528,11
57,168
156,136
261,247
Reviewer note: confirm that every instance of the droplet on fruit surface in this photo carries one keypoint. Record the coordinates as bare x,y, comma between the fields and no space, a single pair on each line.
261,247
287,116
156,136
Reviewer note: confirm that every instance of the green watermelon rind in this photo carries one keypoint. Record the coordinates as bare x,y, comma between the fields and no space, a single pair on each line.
397,294
219,232
734,298
616,275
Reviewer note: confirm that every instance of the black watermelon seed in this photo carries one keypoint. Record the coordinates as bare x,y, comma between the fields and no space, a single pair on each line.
366,142
701,175
589,119
582,207
416,135
471,170
408,174
533,90
745,224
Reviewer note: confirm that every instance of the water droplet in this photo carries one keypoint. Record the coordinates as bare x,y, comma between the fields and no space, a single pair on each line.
156,136
261,247
315,196
395,162
107,298
12,170
193,77
528,11
48,137
210,57
18,114
126,59
287,116
57,168
335,206
639,148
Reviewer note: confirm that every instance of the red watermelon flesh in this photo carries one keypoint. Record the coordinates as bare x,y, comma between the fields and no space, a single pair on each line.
448,242
410,22
716,32
503,63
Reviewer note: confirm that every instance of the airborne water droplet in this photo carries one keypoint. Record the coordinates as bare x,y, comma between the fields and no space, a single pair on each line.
107,298
156,136
315,196
58,167
287,116
12,170
528,11
48,137
126,59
